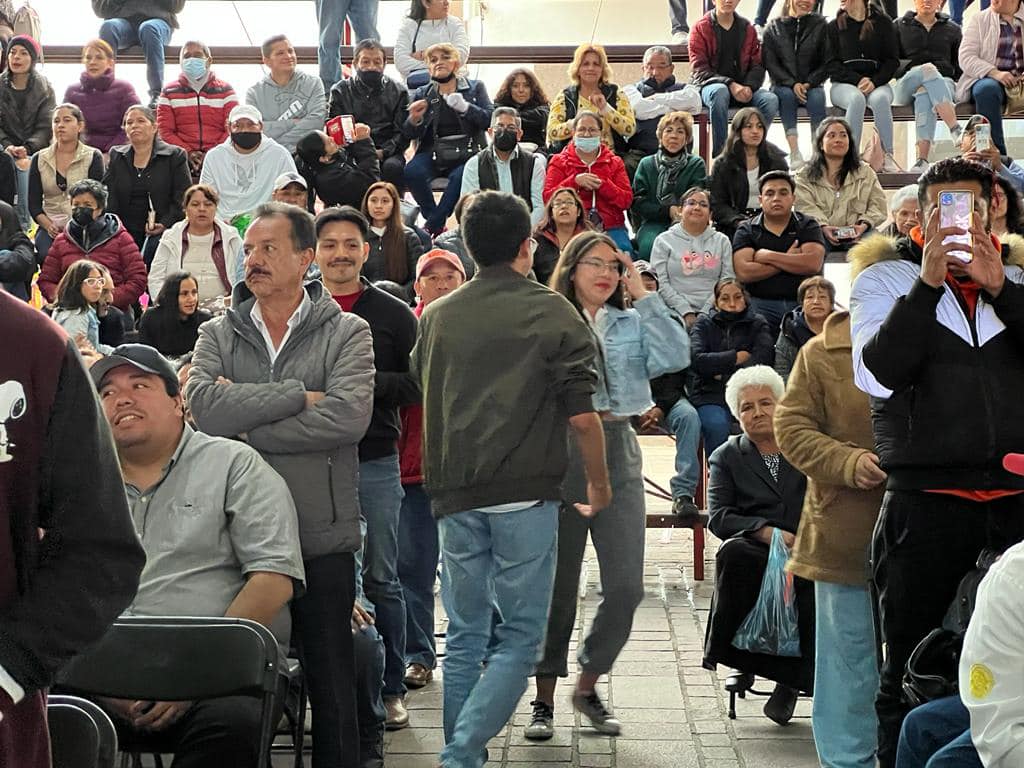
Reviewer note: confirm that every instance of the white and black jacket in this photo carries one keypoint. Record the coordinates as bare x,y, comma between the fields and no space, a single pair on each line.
945,386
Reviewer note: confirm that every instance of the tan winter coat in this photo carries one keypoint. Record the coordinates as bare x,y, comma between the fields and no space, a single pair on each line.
859,199
823,426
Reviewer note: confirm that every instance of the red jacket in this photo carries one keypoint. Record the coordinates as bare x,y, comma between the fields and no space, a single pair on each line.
410,442
612,198
108,243
704,53
195,120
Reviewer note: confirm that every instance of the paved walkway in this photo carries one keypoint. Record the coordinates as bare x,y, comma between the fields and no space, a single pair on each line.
674,712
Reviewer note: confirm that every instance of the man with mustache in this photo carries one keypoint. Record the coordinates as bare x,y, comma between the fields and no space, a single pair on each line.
341,251
285,370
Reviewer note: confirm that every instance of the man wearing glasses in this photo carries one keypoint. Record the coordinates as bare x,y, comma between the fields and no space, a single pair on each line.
507,166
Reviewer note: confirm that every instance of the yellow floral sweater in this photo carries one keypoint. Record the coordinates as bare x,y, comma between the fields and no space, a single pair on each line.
620,120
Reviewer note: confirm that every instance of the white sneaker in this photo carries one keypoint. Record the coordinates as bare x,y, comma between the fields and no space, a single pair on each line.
889,165
921,166
682,37
796,161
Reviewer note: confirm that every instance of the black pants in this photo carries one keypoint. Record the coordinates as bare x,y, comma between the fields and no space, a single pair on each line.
392,168
923,545
322,623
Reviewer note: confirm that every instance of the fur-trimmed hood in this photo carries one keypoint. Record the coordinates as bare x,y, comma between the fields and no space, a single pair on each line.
882,248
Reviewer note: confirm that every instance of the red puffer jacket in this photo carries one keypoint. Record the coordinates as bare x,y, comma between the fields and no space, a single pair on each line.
106,242
612,198
195,120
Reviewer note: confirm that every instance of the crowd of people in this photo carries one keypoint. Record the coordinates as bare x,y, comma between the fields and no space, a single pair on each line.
293,348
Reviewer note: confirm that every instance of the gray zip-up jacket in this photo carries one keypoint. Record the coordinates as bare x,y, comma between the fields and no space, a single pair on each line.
289,111
314,449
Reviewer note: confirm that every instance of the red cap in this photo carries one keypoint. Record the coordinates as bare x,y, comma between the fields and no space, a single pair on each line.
439,254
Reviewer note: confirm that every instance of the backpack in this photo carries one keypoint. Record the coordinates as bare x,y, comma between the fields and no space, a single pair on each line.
26,22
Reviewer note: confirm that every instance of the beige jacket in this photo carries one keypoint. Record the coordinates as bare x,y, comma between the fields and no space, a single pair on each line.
823,426
860,199
55,201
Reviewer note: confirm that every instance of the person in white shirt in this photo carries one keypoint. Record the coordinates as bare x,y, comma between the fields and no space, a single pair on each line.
507,166
428,23
244,167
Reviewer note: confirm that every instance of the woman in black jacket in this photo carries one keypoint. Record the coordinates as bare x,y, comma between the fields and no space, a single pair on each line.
394,247
930,44
729,338
794,54
522,91
337,175
865,56
172,325
747,155
146,180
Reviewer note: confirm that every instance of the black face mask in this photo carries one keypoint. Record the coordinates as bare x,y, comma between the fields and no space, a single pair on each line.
447,79
82,215
246,140
370,77
505,141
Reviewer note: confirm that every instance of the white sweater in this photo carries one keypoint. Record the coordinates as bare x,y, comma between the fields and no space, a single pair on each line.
447,30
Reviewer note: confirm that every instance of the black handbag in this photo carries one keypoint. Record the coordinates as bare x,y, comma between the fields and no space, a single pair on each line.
452,151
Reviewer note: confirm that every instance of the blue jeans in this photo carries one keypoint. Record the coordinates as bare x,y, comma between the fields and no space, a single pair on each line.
21,202
788,104
43,243
989,96
505,560
685,425
715,423
417,569
937,735
772,310
369,650
621,238
152,35
848,97
937,90
845,676
419,172
380,498
956,9
331,15
717,99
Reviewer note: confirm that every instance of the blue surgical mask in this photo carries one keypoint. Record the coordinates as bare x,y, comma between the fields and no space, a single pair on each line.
587,144
194,68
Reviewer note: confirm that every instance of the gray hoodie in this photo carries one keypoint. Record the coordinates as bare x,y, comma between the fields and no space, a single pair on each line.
688,267
289,111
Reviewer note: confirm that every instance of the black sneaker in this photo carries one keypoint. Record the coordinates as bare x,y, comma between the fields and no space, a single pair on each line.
684,509
590,706
781,704
542,724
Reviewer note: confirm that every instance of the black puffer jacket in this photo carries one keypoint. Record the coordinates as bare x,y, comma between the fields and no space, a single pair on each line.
874,55
793,334
939,45
384,110
345,179
729,188
794,50
29,125
714,341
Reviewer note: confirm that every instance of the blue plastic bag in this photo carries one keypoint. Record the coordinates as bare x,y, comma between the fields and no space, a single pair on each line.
771,626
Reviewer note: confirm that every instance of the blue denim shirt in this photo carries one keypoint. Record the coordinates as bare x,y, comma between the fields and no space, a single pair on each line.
638,345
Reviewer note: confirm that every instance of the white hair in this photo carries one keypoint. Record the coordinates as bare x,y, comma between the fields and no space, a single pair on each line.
754,376
902,195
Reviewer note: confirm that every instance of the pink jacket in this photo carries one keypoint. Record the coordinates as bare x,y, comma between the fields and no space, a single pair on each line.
978,49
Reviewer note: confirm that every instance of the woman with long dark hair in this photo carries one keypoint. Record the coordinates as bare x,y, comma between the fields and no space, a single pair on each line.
394,247
746,157
171,326
640,343
839,190
564,218
522,91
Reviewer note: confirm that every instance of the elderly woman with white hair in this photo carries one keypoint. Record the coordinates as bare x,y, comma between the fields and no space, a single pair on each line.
904,210
752,491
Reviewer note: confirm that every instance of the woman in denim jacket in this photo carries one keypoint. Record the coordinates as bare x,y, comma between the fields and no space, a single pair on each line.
634,346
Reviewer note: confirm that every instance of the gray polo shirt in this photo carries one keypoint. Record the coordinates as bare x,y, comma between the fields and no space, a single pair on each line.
218,513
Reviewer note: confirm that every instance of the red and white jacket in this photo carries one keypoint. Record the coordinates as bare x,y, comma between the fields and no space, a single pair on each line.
194,120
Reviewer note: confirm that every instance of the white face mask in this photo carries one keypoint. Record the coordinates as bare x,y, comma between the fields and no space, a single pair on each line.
379,231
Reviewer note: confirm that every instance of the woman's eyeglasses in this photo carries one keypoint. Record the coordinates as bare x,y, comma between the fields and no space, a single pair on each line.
695,203
95,282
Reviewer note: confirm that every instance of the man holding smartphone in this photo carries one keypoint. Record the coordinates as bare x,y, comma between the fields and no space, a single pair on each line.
936,344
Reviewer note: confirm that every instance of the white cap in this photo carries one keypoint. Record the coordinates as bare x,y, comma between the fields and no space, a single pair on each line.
289,177
245,112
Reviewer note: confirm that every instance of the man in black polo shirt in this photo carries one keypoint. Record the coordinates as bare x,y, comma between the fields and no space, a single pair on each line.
341,252
775,250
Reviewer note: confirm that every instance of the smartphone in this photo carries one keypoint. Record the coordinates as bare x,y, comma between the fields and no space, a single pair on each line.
982,137
341,128
846,233
956,209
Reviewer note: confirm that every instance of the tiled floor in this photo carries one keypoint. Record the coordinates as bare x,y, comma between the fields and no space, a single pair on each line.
674,713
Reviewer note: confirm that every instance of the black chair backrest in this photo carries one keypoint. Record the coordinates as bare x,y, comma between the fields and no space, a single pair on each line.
74,737
107,733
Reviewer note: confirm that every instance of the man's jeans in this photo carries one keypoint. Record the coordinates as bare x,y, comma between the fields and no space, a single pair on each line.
417,569
331,14
989,96
715,424
677,15
152,35
937,90
788,104
369,650
938,735
419,173
848,97
717,99
772,310
492,560
685,425
845,676
380,498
